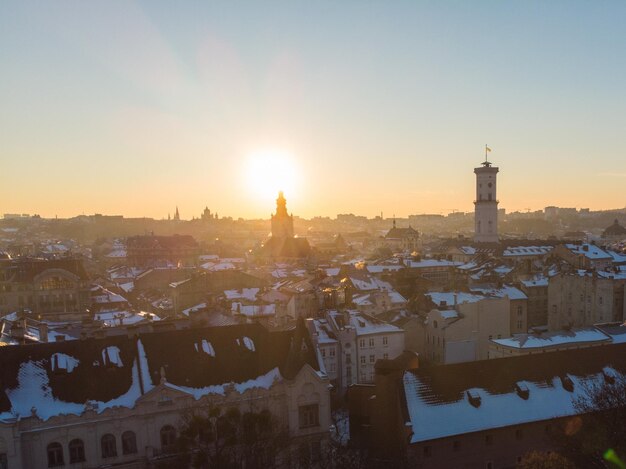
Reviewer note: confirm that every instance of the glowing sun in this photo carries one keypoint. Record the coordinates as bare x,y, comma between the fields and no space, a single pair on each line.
270,171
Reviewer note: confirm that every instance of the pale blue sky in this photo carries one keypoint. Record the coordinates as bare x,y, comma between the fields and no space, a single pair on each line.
134,107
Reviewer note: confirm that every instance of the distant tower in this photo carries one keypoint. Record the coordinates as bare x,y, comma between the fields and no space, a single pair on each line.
486,203
282,222
177,215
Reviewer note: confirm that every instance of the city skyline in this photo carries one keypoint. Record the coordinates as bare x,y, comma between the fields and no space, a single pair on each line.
136,109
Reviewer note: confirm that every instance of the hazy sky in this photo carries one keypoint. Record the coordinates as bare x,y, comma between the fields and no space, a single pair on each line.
133,108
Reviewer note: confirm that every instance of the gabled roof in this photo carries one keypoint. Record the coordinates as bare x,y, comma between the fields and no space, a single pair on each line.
401,233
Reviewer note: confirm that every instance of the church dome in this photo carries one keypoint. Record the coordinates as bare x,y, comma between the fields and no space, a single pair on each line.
614,230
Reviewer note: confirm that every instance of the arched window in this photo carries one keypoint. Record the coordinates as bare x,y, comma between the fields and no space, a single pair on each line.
107,444
168,438
55,455
129,443
77,450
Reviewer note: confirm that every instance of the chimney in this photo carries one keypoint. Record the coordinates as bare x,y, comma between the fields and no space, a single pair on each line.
43,332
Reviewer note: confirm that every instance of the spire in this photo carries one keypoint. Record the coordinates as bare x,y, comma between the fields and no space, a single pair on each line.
177,215
281,205
394,220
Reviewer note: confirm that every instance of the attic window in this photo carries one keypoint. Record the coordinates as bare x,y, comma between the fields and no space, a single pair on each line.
206,347
473,397
567,383
62,363
246,342
111,357
522,390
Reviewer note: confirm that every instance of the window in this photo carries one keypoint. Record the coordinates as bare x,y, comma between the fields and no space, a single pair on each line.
361,343
77,451
489,465
309,416
362,359
108,446
332,352
323,352
600,300
372,358
519,434
519,324
385,356
428,451
168,438
385,341
519,310
129,443
55,455
456,445
488,440
348,359
371,342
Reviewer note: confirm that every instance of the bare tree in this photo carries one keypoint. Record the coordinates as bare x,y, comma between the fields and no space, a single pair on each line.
596,436
229,439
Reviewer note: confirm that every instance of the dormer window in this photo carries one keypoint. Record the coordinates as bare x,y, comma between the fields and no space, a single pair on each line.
474,398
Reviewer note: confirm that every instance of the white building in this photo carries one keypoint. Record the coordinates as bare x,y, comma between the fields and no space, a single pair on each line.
461,328
351,342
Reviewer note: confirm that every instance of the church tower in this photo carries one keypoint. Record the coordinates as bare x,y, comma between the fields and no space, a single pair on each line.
282,222
486,203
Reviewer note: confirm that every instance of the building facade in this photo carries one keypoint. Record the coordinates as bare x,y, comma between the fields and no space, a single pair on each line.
123,401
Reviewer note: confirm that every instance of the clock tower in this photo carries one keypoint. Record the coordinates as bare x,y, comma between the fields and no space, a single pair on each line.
486,203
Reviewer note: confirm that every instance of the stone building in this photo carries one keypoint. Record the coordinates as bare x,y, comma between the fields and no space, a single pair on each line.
54,288
402,239
122,400
485,414
151,250
583,298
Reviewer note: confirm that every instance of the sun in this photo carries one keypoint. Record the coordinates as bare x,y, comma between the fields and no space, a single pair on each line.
270,171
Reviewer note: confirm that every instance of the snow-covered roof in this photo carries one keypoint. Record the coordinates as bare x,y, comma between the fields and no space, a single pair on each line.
500,292
323,331
194,308
365,324
478,396
452,298
521,251
590,251
253,310
429,263
554,339
245,293
430,421
536,281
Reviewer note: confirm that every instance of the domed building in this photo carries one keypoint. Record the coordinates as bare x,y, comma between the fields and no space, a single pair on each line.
615,231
